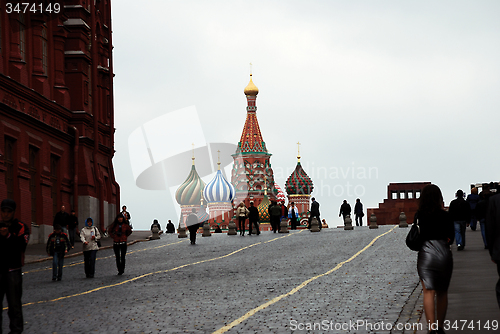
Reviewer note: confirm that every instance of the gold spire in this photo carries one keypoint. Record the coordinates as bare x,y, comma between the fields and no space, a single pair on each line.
251,89
218,159
298,150
193,154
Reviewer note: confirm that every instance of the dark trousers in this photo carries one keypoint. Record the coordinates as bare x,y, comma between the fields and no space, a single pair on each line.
71,233
89,259
120,251
11,285
498,285
57,265
275,223
256,224
242,221
192,232
360,220
293,223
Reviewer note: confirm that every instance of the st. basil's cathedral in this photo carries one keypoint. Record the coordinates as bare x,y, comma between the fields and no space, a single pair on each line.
252,180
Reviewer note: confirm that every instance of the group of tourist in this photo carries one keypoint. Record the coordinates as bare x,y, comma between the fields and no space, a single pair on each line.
439,229
345,210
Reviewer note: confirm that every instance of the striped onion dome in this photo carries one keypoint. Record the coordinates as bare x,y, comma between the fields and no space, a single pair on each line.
189,193
202,214
219,189
299,183
280,197
263,209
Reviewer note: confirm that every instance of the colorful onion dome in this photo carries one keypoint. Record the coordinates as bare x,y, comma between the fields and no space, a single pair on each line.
202,214
299,183
263,209
251,89
280,197
219,189
189,193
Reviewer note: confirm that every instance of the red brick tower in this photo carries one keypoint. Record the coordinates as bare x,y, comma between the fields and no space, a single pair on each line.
252,160
56,113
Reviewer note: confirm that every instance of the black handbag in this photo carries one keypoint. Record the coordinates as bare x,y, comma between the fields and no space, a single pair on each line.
414,239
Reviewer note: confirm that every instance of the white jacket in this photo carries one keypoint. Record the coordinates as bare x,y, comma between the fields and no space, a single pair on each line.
86,236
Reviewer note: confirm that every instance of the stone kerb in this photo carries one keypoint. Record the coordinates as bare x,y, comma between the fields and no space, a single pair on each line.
348,223
315,225
284,226
231,227
373,221
206,229
155,233
402,220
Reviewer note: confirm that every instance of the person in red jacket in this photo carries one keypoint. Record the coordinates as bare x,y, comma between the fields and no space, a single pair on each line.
58,245
119,230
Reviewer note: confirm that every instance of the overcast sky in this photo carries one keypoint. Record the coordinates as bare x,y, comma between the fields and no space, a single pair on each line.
375,92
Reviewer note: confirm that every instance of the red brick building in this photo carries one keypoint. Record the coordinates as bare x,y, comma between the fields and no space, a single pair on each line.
56,113
401,197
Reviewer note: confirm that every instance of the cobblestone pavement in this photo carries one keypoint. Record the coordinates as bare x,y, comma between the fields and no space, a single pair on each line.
170,286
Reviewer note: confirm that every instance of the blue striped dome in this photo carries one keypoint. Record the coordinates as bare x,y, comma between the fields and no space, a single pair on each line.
202,214
219,189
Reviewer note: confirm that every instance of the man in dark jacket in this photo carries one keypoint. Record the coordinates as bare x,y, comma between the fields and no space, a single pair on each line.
253,218
61,219
358,212
345,209
314,213
192,224
460,214
274,215
14,237
72,226
493,234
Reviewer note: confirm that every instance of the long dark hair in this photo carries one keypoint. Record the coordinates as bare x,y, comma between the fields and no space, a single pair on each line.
431,199
115,222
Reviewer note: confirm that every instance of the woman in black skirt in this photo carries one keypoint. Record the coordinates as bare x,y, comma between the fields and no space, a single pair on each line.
435,261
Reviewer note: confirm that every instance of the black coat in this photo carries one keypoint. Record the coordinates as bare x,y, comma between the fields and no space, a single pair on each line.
460,210
315,209
253,216
493,227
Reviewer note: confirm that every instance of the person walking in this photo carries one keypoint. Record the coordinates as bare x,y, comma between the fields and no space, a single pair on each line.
253,219
473,198
126,215
14,237
120,230
192,224
435,260
358,212
314,213
274,215
460,213
89,235
61,219
72,226
57,246
293,214
493,234
242,213
345,209
481,212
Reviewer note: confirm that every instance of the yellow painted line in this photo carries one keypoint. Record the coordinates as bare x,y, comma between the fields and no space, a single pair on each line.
148,274
102,258
294,290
